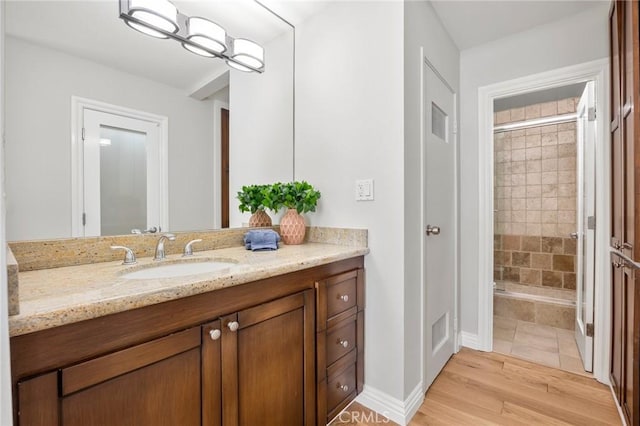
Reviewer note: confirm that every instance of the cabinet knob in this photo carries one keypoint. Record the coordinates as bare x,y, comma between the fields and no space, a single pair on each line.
215,334
343,388
343,343
344,297
233,325
618,264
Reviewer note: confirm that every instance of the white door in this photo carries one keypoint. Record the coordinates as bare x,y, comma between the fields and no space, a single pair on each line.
439,195
585,233
121,174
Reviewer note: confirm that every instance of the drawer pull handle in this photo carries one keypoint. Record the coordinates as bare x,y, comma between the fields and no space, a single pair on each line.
233,325
343,388
344,297
343,343
215,334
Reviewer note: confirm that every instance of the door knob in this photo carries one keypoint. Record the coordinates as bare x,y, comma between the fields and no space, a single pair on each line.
433,230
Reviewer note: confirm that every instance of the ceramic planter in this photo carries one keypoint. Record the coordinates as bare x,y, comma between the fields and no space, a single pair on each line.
260,219
292,227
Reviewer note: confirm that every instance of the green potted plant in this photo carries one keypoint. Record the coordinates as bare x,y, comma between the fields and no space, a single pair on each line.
298,198
255,199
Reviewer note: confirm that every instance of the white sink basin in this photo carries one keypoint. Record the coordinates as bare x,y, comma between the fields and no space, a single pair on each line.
177,270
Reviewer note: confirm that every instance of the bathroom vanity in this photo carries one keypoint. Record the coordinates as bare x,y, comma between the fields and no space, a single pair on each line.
276,340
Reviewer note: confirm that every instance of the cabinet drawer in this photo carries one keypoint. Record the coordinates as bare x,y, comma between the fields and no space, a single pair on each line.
341,339
341,295
340,387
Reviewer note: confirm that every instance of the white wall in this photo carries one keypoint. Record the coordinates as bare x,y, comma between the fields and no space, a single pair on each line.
358,116
422,29
261,149
40,83
6,411
577,39
349,125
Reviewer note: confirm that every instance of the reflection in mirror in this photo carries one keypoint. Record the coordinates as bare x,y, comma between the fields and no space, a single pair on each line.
224,128
123,183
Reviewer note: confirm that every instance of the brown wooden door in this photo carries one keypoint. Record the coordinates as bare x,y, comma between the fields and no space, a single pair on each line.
224,168
156,383
268,363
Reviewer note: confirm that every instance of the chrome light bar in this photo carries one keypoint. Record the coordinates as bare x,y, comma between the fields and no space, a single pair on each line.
247,56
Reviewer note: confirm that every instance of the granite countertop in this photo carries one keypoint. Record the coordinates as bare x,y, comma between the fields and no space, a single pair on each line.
59,296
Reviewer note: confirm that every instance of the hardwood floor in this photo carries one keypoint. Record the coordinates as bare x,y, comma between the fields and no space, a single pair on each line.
479,388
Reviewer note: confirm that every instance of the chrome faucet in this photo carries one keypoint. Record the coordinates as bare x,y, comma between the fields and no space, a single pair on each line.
160,255
188,249
129,256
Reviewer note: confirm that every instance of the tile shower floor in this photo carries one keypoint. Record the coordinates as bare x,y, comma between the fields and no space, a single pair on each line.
542,344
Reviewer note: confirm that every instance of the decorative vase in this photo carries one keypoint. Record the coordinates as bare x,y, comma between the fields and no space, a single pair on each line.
292,227
260,219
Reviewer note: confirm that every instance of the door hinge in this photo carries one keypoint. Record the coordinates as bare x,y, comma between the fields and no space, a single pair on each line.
83,133
84,219
590,329
591,222
591,113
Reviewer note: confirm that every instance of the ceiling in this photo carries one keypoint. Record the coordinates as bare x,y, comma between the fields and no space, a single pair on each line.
472,23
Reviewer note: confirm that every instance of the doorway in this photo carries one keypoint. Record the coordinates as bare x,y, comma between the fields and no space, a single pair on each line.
528,265
119,170
543,248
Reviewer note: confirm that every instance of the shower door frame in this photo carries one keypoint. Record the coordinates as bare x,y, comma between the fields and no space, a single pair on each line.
597,71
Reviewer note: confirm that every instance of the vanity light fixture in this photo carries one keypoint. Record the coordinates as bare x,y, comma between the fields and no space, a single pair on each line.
205,34
247,54
152,14
161,19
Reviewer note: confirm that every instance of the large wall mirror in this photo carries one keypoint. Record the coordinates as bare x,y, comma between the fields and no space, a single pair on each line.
110,130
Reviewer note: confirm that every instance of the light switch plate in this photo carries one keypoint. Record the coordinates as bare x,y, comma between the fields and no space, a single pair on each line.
364,190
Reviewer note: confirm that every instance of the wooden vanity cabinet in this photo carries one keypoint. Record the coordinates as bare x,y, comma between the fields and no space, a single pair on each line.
340,337
256,365
267,363
157,382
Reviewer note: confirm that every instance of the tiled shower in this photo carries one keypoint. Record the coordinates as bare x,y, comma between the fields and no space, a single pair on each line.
534,215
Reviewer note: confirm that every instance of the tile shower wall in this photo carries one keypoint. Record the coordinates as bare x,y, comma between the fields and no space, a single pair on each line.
535,198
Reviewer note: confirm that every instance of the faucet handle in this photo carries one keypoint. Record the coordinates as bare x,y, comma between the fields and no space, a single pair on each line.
129,256
188,250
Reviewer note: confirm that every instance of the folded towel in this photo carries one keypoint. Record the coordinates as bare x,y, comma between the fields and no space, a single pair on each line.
262,239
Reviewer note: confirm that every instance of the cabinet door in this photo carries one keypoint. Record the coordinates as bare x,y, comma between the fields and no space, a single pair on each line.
268,363
617,324
617,191
211,374
629,396
156,383
631,121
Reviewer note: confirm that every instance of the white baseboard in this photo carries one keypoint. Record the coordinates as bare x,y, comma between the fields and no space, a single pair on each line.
470,340
398,411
